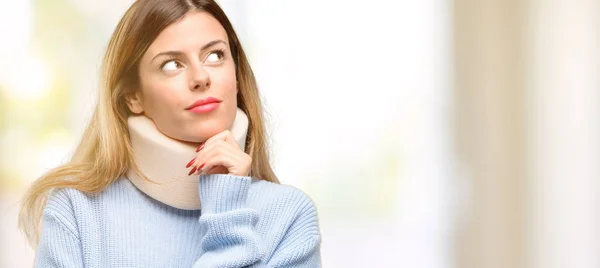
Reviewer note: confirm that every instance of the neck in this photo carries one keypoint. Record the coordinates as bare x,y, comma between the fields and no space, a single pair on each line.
162,160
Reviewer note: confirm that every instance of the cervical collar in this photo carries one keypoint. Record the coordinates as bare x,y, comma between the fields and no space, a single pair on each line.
162,160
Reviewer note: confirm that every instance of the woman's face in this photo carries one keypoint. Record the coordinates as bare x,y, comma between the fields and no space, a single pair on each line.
190,60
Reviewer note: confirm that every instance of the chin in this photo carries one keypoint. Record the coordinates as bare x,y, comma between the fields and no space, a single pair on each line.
201,134
196,132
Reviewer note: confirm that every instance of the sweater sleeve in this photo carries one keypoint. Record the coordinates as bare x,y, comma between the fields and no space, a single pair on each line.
231,239
59,244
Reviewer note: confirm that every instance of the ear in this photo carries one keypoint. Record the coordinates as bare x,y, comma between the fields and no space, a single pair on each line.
134,102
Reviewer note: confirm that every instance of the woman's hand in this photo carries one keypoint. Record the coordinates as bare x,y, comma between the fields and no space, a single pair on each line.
220,154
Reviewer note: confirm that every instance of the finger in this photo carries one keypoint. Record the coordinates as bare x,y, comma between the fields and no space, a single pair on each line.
223,160
226,136
240,168
222,154
207,151
230,139
202,151
215,149
219,136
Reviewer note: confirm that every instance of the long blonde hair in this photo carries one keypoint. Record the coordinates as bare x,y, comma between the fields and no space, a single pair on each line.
104,152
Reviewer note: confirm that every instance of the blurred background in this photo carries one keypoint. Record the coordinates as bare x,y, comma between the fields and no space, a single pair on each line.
442,133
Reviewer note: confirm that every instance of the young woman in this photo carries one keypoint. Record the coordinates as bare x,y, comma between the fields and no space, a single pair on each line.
172,170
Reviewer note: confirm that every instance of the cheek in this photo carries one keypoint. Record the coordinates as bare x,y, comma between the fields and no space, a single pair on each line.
161,105
161,97
225,81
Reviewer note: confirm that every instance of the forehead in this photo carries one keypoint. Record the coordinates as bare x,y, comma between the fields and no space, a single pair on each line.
190,33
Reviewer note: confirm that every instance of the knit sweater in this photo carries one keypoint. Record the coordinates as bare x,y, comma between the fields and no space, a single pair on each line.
243,222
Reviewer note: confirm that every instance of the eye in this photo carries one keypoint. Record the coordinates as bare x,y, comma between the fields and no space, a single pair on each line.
215,56
170,65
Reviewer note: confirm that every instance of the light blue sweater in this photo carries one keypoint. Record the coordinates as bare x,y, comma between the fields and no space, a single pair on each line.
243,223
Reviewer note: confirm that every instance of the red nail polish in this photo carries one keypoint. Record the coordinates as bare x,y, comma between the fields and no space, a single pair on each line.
200,148
190,163
200,167
192,171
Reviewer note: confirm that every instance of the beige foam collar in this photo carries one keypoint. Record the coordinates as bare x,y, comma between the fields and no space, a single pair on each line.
163,161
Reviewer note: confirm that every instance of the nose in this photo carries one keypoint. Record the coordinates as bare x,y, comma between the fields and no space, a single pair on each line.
200,78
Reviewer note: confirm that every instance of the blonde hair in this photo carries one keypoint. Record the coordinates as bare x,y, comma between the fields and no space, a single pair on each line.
104,152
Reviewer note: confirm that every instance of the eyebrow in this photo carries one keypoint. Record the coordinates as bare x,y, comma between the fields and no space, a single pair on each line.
179,53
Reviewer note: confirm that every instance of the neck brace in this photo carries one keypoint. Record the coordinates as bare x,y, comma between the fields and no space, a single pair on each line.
162,160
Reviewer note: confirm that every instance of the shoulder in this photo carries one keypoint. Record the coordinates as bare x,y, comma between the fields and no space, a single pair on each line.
60,207
287,203
289,210
275,193
65,204
62,201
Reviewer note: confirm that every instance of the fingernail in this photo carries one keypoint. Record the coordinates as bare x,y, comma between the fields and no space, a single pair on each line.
192,171
200,148
190,163
200,167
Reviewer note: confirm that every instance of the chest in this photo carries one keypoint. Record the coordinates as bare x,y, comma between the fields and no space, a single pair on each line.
137,235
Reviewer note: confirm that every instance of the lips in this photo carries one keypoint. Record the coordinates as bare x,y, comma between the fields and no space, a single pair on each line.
205,101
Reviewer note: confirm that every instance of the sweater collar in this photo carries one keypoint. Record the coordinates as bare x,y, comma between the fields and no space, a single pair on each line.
162,160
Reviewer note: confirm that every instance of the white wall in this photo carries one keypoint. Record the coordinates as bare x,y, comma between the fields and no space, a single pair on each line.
565,133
